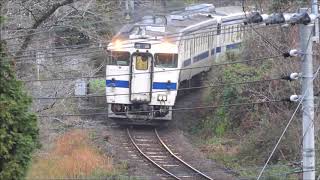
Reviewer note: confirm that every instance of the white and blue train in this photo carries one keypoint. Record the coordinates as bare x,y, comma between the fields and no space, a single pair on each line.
150,60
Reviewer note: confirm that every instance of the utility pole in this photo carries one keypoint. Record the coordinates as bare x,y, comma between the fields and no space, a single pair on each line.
132,5
129,8
315,11
308,152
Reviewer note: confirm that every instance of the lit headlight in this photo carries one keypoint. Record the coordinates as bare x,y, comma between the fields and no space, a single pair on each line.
162,97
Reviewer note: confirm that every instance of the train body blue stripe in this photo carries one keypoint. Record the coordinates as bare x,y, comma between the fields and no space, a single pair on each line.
187,62
117,83
156,85
213,51
230,20
164,85
218,49
233,46
201,56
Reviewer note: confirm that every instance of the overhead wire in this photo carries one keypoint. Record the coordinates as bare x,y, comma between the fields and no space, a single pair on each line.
168,90
29,34
170,36
96,22
174,35
174,109
89,24
27,58
129,44
165,70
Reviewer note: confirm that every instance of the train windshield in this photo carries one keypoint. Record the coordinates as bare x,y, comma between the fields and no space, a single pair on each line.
142,62
119,58
165,60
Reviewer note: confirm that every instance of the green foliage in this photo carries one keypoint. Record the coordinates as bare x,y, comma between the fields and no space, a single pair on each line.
2,19
18,127
221,120
97,86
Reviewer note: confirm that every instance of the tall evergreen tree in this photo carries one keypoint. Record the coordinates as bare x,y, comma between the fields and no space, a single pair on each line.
18,126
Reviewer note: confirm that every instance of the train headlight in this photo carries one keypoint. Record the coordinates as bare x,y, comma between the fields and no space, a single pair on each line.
167,46
162,97
118,44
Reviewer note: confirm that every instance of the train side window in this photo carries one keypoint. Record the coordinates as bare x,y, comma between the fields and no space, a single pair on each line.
141,62
186,49
189,47
228,28
166,60
119,58
224,32
219,29
195,44
202,42
192,46
199,44
210,40
232,34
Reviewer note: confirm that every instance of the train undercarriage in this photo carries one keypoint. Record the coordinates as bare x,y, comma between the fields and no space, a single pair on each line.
139,114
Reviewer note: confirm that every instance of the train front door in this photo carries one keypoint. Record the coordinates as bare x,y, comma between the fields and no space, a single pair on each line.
141,78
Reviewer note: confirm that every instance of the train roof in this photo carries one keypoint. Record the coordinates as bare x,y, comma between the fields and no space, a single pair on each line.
191,19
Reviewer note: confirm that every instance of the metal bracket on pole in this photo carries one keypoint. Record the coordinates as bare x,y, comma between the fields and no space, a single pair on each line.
315,11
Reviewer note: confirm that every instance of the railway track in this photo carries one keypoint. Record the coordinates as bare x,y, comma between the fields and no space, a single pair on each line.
150,145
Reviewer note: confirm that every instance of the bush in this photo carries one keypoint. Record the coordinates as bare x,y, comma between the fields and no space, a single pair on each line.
97,86
18,126
74,156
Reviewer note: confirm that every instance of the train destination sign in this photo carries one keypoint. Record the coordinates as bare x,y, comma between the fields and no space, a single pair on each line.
142,45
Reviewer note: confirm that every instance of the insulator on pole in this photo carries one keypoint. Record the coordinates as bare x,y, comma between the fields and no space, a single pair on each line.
291,53
254,17
295,76
294,52
295,98
277,18
300,18
280,18
292,76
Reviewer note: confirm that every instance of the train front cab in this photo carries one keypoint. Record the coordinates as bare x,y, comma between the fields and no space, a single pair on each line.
138,88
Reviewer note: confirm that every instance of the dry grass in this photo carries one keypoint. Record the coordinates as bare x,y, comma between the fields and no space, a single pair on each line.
73,156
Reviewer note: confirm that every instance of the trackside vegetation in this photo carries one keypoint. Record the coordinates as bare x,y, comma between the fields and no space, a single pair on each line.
75,156
241,137
18,126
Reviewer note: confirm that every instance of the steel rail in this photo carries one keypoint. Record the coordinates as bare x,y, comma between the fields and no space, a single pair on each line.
149,159
180,160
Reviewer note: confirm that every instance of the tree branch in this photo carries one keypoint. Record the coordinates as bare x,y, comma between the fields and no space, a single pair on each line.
85,10
43,18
